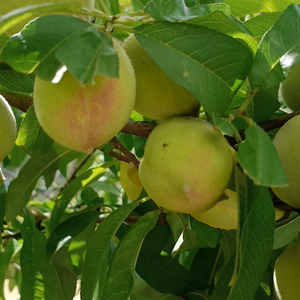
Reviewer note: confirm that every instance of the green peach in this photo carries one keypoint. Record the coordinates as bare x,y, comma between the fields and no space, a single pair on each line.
158,96
287,274
287,144
186,166
290,89
8,128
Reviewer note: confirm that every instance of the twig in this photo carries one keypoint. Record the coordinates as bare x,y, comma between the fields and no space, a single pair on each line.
132,158
141,129
22,102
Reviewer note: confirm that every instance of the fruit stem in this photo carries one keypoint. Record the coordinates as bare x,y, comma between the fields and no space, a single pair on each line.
123,28
248,100
103,7
236,134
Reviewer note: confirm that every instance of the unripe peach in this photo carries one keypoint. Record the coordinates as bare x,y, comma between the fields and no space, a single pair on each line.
8,128
158,96
186,166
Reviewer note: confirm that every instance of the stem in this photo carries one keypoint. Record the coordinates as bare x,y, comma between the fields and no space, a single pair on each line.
123,28
103,7
118,145
236,134
22,102
247,101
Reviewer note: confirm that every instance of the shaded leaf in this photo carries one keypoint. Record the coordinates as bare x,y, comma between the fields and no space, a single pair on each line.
68,229
120,278
10,249
71,190
93,283
21,187
256,240
164,273
38,275
64,269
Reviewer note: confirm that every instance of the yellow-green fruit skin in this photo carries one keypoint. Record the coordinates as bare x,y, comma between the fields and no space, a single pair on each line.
9,5
8,128
83,117
158,97
290,89
287,274
186,165
287,144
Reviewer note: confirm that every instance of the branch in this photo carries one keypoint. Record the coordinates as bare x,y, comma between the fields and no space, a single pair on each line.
141,129
21,102
130,156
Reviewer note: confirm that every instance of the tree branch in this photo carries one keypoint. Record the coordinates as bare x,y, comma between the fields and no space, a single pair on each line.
21,102
131,157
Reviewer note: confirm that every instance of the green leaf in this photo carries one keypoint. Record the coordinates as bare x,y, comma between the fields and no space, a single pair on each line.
30,12
177,10
225,23
222,288
256,241
286,233
278,49
242,8
259,159
139,4
31,137
96,261
10,249
71,190
96,52
15,81
20,189
190,54
38,275
64,269
120,278
260,24
68,229
48,43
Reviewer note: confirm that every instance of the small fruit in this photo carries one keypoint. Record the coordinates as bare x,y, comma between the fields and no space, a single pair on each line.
287,274
8,128
10,5
186,166
158,96
130,180
287,144
290,89
83,117
224,215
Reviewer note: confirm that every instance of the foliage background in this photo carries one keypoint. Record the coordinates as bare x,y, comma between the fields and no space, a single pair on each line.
54,198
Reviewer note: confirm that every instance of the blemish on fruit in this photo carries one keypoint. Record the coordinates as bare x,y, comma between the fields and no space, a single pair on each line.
165,145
